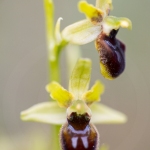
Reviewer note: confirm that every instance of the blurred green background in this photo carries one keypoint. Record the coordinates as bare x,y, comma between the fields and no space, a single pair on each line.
23,73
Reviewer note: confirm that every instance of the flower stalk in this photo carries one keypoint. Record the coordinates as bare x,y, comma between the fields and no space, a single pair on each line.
53,61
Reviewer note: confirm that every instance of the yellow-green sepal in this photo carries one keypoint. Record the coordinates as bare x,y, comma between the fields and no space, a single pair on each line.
80,78
93,95
46,112
51,113
91,12
112,22
81,32
58,93
102,114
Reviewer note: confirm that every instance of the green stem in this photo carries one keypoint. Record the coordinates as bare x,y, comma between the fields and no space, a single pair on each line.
53,59
49,17
55,145
54,70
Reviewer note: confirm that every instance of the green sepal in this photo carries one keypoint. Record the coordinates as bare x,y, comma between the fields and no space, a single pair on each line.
81,32
80,78
51,113
46,112
58,93
112,22
102,114
93,95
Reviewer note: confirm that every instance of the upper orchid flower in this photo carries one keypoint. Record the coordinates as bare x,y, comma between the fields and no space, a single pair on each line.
97,21
102,28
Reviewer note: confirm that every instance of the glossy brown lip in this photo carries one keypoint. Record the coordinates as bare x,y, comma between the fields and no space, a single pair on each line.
112,53
78,134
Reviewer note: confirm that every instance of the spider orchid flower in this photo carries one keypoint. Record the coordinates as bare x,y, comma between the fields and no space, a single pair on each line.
77,99
97,21
102,28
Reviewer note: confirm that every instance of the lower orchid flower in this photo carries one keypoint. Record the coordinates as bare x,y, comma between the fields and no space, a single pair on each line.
77,109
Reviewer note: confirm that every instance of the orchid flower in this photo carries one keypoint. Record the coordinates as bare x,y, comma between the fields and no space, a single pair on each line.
77,99
102,28
97,21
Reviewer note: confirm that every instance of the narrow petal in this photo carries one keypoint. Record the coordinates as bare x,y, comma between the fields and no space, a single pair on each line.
104,114
46,112
111,22
81,32
104,5
94,93
91,12
80,78
58,93
57,31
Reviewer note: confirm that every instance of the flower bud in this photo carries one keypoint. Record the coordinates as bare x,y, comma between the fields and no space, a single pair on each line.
112,55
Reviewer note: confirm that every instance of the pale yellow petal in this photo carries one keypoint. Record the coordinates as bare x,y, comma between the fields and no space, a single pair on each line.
58,93
91,12
94,93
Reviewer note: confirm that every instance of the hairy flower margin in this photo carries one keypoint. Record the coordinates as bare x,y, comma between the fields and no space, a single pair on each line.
78,99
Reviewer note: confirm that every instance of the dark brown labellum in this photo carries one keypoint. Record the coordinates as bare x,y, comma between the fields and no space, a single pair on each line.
112,55
78,133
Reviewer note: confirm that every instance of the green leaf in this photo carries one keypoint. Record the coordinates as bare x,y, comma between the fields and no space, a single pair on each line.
81,32
58,93
112,22
94,93
46,112
104,114
80,78
91,12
